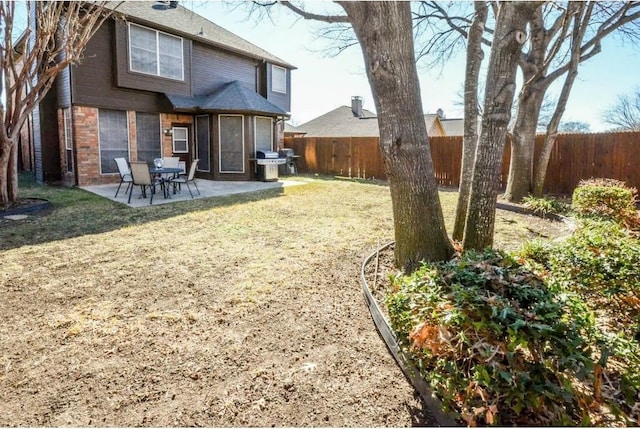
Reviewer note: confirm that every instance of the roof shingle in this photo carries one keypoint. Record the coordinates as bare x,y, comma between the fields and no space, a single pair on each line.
231,97
184,22
341,122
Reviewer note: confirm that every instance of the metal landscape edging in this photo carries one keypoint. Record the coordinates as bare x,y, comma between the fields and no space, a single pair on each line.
409,370
44,204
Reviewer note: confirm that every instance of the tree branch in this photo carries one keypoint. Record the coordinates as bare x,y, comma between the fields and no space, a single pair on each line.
331,19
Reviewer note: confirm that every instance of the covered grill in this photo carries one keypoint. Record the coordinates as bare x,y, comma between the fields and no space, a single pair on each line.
290,166
267,165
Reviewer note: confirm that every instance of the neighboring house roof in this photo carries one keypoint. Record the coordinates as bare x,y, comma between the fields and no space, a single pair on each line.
182,21
290,129
231,97
341,122
453,127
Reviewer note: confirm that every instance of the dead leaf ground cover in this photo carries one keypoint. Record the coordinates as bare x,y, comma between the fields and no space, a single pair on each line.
237,311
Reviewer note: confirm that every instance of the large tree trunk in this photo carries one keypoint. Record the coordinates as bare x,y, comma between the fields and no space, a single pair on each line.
523,144
384,30
470,139
511,22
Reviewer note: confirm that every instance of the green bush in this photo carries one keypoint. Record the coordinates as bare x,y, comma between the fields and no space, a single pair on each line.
494,342
545,205
607,199
600,262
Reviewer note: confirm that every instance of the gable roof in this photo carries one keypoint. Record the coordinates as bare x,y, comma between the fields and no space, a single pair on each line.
230,97
341,122
184,22
290,129
453,127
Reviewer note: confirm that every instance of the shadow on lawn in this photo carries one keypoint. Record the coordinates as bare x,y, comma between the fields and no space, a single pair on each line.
75,212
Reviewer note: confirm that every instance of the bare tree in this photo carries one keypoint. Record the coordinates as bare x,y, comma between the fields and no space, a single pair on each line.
549,56
475,56
55,37
385,33
510,33
574,127
625,113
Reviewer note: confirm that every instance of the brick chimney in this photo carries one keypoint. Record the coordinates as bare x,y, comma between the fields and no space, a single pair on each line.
356,106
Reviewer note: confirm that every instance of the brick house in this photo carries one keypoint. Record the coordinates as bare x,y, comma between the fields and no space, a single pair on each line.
159,80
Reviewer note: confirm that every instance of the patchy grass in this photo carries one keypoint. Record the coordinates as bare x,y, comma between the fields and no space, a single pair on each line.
244,310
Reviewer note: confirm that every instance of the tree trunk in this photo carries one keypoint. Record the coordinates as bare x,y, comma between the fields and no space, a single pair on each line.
583,13
511,23
6,184
12,173
385,33
523,144
543,163
470,139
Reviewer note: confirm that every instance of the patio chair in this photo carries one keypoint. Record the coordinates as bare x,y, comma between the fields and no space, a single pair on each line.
169,162
189,178
125,174
141,176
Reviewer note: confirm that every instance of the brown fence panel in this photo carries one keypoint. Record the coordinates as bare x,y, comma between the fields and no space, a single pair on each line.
446,153
574,157
366,158
340,156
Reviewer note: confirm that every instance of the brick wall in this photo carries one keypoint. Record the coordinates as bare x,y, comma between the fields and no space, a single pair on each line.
85,141
85,136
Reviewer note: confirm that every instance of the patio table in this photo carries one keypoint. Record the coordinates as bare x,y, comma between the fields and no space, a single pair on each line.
162,171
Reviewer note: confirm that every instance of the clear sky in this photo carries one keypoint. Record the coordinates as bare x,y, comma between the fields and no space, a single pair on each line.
322,83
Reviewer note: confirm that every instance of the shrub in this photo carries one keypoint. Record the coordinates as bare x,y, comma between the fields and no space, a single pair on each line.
608,199
494,342
545,205
600,262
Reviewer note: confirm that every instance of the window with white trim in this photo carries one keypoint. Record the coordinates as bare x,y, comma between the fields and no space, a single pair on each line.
180,140
263,134
156,53
68,138
148,137
113,131
278,79
231,147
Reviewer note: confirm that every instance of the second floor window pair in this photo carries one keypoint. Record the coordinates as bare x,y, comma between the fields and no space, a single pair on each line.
155,53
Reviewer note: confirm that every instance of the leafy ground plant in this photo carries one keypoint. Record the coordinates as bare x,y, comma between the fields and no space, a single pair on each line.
493,340
600,262
545,205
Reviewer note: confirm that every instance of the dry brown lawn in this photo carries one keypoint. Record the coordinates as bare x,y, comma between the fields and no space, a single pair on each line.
235,312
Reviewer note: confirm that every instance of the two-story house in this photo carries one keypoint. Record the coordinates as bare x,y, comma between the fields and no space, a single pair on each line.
160,80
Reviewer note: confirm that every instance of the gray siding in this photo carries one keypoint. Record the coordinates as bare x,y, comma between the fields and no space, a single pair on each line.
212,68
141,81
283,101
93,81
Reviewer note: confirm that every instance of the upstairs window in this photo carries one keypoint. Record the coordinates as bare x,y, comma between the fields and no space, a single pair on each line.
155,53
279,79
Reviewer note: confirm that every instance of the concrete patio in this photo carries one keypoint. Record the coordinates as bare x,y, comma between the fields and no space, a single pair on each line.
208,189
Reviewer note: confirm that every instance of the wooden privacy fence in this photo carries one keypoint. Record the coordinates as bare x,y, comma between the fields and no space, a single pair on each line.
574,157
